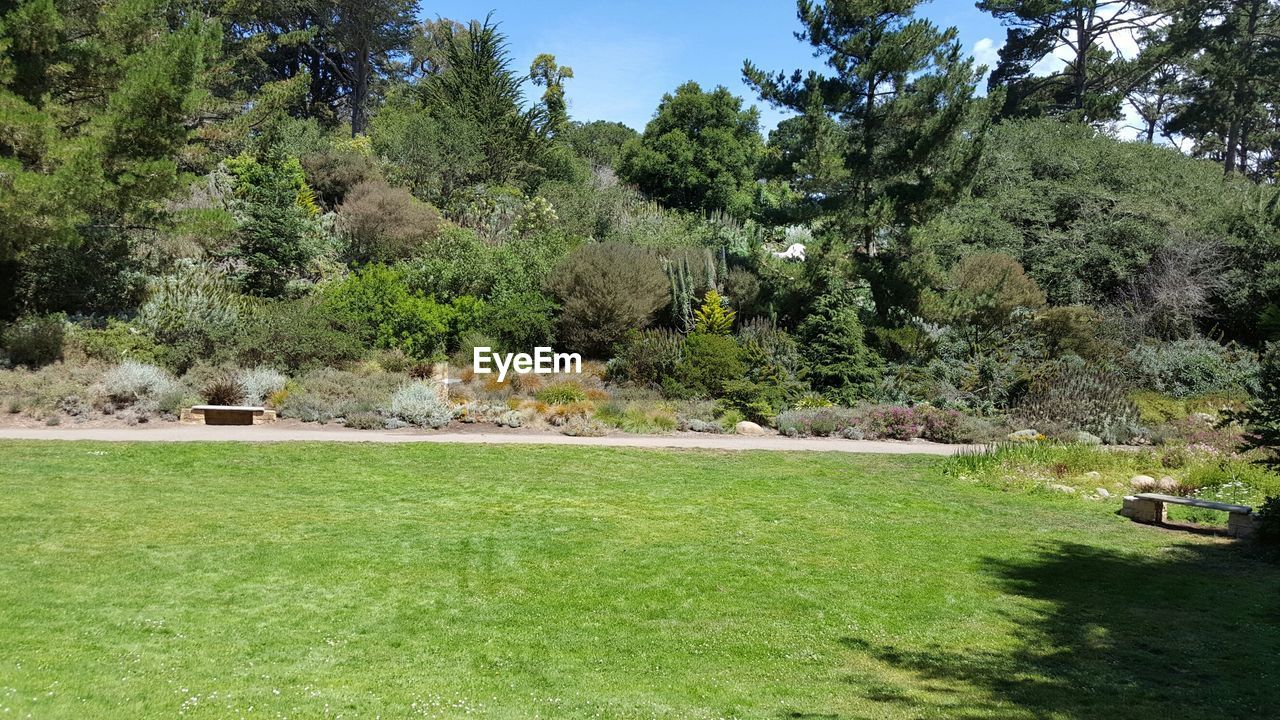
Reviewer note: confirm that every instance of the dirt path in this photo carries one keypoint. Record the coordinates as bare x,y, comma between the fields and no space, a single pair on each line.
203,433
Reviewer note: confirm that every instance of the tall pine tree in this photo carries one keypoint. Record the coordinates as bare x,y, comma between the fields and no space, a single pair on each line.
901,93
1094,78
1231,55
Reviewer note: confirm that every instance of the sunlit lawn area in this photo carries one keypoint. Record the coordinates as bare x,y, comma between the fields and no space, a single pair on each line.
302,581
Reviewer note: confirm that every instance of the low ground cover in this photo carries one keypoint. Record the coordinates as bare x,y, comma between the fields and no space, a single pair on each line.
308,580
1094,473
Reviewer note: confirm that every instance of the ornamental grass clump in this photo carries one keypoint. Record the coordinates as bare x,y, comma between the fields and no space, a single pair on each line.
1073,399
423,404
567,393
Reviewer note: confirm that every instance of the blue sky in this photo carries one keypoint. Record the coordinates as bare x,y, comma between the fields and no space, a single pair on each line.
626,55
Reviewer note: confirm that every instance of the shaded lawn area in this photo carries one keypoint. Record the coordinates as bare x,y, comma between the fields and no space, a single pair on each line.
308,580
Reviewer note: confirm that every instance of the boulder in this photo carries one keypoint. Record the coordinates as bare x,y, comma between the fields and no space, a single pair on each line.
1028,435
1143,483
747,427
1204,418
1083,438
1167,485
1103,493
1065,489
1093,475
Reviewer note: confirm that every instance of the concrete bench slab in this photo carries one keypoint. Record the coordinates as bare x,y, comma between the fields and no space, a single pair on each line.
228,415
1150,508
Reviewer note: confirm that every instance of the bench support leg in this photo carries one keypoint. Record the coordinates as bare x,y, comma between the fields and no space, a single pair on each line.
1241,525
1143,510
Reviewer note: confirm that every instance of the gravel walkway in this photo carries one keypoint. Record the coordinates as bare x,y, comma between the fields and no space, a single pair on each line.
266,433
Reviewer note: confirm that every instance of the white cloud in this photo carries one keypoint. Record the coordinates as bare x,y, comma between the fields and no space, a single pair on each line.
987,52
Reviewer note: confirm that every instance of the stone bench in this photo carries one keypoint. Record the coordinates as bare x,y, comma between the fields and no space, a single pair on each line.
1149,508
228,415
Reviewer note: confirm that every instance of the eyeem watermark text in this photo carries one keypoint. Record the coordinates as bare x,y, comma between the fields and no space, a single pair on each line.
543,361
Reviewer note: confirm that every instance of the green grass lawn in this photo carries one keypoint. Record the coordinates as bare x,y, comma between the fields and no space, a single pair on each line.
305,581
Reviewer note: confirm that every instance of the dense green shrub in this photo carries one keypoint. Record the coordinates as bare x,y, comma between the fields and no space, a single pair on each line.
833,345
1269,521
525,264
758,402
520,321
708,363
1073,399
1076,329
100,273
647,357
1262,417
1197,366
606,290
1083,213
275,210
456,263
34,340
985,288
299,335
386,314
116,342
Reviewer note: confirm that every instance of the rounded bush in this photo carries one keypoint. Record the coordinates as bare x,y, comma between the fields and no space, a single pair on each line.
422,404
261,383
130,382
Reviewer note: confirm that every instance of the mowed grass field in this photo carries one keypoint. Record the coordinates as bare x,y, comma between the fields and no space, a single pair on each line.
314,581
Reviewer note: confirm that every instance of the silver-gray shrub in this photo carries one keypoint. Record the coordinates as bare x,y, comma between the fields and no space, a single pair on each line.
195,302
260,383
423,404
131,382
1194,366
819,422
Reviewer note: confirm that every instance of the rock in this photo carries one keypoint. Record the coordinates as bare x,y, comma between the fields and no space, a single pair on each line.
1067,489
1167,485
795,252
1083,438
1027,435
1093,475
1103,493
1203,418
1143,483
747,427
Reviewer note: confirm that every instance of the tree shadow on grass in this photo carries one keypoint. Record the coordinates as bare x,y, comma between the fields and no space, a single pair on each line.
1102,634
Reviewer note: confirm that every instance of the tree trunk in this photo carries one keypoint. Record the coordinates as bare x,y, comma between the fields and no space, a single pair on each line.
360,91
1232,143
1079,68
